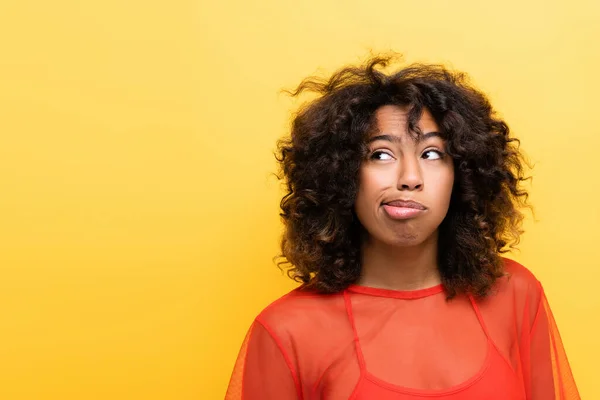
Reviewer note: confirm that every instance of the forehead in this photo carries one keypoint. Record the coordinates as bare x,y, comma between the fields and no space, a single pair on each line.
392,119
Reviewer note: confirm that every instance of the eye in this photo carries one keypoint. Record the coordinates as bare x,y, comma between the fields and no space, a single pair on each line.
432,154
381,155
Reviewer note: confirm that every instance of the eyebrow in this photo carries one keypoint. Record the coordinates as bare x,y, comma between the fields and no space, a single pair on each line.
396,139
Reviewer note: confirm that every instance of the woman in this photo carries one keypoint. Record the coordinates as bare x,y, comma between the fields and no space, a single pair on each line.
403,192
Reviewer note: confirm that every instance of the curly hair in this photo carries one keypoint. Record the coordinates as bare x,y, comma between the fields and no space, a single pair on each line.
320,162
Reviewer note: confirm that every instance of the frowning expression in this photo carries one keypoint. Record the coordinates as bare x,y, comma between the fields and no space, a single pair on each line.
405,182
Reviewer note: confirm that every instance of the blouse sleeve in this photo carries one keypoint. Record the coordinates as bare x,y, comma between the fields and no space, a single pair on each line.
547,371
263,370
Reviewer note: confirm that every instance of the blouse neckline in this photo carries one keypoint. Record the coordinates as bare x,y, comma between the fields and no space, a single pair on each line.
397,294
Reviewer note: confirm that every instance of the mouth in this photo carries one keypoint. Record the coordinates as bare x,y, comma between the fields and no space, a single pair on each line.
406,204
403,209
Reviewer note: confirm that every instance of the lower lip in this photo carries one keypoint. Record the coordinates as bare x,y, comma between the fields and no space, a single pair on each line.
401,212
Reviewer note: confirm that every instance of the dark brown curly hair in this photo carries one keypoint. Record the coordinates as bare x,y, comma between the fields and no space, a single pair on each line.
320,162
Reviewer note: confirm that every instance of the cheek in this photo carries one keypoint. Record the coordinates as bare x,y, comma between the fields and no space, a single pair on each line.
370,185
447,184
439,184
374,180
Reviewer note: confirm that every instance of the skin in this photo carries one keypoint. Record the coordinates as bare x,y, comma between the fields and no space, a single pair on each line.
402,254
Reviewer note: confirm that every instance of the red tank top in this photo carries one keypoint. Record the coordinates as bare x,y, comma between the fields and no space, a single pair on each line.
496,380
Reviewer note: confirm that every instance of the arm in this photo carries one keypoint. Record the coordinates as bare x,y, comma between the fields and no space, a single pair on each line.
263,370
548,374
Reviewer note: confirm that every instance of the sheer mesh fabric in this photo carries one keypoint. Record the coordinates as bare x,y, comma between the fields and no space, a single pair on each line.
371,343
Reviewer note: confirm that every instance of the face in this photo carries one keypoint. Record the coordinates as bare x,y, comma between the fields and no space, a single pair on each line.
404,184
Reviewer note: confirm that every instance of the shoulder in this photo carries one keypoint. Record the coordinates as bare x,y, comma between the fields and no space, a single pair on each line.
518,291
303,320
513,304
301,307
310,329
518,279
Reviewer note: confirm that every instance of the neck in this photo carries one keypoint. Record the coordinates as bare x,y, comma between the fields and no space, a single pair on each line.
400,268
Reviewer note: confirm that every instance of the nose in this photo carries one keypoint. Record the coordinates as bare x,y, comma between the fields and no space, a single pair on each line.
410,176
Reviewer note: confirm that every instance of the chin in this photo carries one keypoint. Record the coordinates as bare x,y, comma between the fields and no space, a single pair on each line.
407,239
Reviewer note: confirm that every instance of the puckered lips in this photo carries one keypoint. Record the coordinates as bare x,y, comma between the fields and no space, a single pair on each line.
403,209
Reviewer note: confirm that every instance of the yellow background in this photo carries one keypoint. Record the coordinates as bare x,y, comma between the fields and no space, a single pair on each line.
138,214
